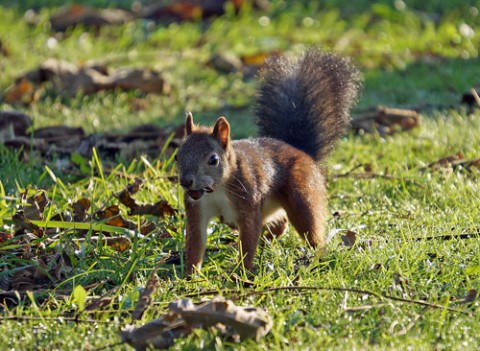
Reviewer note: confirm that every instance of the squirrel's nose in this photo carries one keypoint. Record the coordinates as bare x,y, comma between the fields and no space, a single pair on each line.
186,181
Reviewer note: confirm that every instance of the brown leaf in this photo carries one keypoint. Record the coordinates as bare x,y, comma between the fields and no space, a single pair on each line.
118,243
125,198
183,316
246,322
387,121
183,10
145,297
5,237
159,209
148,228
21,91
160,333
80,210
36,205
75,14
60,138
349,238
226,63
446,161
190,10
452,163
70,79
112,216
13,124
23,223
145,80
99,303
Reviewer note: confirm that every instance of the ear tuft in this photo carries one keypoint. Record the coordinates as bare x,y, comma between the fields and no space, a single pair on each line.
221,131
189,124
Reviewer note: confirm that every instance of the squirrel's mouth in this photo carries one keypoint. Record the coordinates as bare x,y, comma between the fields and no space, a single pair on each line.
197,194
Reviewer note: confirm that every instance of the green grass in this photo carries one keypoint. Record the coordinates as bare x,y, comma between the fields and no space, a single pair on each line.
410,58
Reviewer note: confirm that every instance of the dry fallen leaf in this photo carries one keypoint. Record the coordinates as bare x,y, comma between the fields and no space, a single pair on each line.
22,91
70,79
159,209
145,297
452,163
112,216
225,63
80,210
13,124
23,224
349,238
118,243
75,14
183,316
5,237
159,333
35,205
386,121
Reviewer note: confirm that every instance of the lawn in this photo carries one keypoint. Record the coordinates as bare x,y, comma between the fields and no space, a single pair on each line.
403,267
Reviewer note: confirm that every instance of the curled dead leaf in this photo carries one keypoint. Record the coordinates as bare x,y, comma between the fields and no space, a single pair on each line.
160,333
23,224
35,205
71,79
349,238
183,316
111,216
5,236
159,209
13,124
76,14
145,297
452,163
22,91
80,210
387,121
118,243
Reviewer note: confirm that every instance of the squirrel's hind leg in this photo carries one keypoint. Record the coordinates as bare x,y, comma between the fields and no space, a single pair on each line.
307,209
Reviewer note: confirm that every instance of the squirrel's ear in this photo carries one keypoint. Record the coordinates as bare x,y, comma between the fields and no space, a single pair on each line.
189,124
221,131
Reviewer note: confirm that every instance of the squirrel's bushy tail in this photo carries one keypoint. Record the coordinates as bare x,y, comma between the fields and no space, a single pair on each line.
306,102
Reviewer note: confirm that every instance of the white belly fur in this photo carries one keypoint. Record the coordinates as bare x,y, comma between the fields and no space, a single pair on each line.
216,204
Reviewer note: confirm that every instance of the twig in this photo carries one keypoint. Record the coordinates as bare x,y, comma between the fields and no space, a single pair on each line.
23,293
448,237
237,296
145,297
56,319
365,175
363,307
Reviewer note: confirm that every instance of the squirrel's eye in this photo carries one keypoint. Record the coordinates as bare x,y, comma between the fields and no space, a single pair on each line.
176,158
213,160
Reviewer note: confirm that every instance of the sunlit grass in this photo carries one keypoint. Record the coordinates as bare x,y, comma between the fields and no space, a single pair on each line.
410,57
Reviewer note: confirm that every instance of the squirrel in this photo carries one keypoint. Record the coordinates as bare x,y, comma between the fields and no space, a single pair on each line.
302,108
